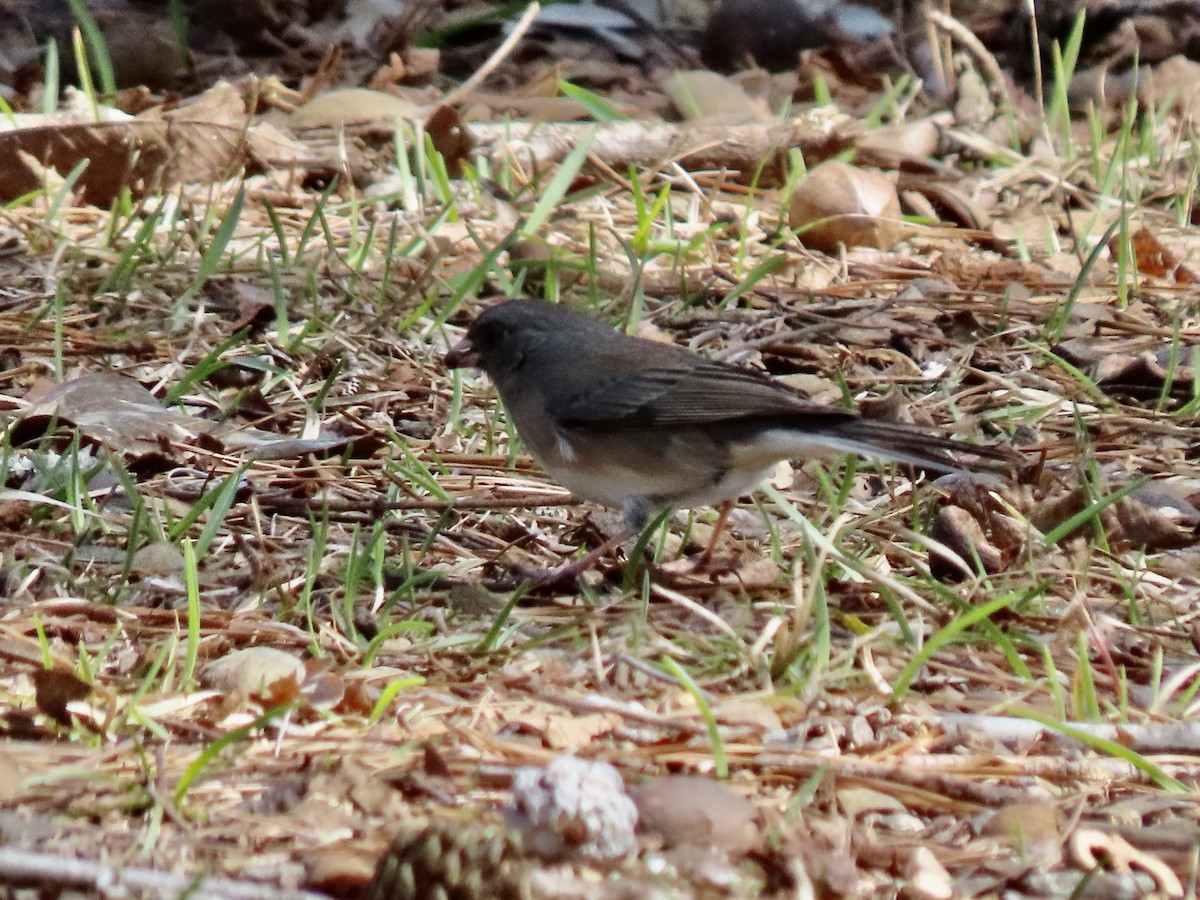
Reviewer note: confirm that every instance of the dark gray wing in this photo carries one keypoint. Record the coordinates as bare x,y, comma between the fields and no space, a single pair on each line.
681,391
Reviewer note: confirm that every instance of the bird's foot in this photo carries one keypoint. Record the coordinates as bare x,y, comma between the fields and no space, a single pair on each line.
565,577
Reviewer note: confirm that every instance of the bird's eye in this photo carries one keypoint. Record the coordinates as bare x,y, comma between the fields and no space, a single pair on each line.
487,333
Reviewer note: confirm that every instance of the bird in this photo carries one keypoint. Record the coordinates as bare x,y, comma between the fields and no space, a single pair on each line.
646,427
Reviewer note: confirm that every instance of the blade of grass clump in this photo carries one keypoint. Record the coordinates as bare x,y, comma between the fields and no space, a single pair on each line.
1086,702
389,254
796,170
120,213
1108,748
636,289
808,605
217,746
1058,322
414,470
60,196
210,260
317,218
43,643
77,494
408,626
211,362
59,311
388,694
888,587
554,192
191,579
350,580
1115,171
409,191
720,763
318,552
83,67
438,175
638,553
96,45
597,107
364,563
280,233
888,105
1094,392
469,283
1054,683
51,84
950,632
228,486
358,249
645,214
280,295
1164,395
822,96
140,250
492,639
995,635
222,503
130,708
1091,513
460,285
1066,58
768,265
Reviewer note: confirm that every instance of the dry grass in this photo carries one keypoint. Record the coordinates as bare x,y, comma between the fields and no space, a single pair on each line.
867,705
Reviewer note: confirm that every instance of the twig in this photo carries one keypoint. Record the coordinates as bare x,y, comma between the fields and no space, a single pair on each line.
497,57
20,867
967,38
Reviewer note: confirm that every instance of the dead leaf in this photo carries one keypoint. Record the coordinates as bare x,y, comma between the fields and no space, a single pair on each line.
251,670
1036,828
120,414
962,532
926,878
158,558
689,809
699,94
839,205
55,688
354,106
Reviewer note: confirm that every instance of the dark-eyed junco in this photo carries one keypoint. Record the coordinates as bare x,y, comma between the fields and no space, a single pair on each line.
647,427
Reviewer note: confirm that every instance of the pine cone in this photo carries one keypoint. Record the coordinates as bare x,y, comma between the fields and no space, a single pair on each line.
452,862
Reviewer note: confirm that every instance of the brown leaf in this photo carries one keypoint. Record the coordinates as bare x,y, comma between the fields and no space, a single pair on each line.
120,414
701,94
962,532
450,137
348,106
196,142
252,670
158,558
1151,255
54,689
1034,827
688,809
838,204
1146,519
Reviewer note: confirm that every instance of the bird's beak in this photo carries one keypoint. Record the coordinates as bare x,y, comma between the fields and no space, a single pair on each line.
462,355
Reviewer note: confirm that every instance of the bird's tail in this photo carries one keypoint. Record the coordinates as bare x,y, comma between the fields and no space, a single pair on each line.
910,445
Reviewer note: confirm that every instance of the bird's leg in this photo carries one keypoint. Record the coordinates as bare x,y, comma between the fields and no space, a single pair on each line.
566,576
637,513
705,560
